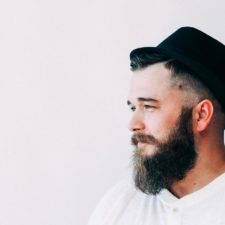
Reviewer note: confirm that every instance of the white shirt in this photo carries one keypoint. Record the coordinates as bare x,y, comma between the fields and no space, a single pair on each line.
125,205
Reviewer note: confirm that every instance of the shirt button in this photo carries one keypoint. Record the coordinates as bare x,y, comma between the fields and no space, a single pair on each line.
175,210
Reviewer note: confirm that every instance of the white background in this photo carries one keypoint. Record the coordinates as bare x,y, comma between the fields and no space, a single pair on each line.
64,75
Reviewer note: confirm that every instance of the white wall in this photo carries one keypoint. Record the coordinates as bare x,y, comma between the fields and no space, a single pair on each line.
64,75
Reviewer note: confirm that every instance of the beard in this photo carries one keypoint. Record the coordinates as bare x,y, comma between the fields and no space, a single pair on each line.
171,161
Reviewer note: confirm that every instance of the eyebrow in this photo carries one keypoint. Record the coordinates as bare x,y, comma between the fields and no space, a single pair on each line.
141,99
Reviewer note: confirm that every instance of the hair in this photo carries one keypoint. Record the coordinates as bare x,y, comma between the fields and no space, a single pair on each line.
182,78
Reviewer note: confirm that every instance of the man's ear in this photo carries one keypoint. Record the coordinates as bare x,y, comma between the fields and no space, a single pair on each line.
202,115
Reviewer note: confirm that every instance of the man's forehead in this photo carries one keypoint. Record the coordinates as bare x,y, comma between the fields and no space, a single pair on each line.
150,80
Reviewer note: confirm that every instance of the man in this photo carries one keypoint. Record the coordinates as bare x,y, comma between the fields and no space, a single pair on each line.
177,97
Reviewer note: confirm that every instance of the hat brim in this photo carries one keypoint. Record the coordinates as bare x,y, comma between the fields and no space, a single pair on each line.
206,76
172,53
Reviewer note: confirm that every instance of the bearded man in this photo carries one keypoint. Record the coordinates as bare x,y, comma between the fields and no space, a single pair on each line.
177,97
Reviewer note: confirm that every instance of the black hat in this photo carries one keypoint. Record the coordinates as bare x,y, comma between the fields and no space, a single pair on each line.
201,53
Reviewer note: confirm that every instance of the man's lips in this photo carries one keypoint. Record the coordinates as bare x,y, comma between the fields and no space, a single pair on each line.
142,144
146,149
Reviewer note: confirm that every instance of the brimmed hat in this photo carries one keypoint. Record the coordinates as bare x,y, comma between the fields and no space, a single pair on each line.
201,53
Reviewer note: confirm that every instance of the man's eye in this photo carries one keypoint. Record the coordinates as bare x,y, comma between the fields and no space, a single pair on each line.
149,107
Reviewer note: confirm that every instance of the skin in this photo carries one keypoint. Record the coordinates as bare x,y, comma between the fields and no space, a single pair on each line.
156,107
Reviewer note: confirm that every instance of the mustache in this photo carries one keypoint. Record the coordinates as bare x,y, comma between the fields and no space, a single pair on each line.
144,138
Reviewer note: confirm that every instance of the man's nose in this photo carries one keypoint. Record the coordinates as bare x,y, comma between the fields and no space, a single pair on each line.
136,123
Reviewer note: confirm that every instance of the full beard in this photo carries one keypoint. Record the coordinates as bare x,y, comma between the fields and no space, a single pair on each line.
171,161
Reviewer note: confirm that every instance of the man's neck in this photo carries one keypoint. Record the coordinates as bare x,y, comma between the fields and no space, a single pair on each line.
204,172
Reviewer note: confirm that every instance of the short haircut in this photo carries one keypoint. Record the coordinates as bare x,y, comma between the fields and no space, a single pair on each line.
181,77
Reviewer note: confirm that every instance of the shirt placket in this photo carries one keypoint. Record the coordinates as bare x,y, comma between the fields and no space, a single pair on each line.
174,215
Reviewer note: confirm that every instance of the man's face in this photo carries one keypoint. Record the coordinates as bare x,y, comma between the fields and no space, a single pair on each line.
162,131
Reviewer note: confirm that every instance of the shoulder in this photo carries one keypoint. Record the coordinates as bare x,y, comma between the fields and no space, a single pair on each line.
114,202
